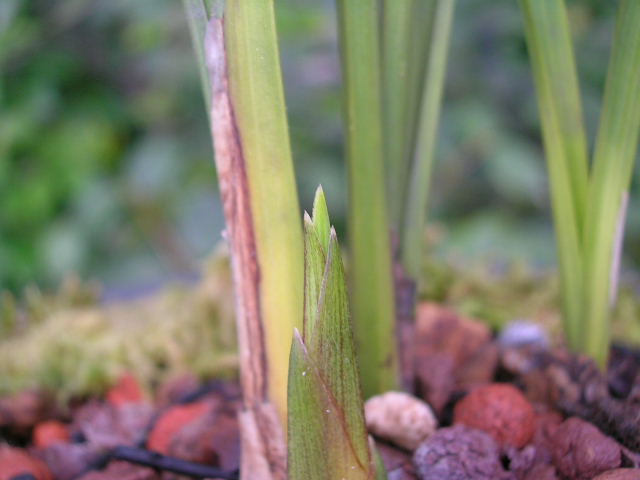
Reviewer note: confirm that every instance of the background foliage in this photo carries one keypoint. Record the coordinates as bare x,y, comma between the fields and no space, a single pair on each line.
105,157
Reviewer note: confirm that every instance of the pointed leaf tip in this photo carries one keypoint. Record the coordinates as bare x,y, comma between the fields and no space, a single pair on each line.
307,218
321,217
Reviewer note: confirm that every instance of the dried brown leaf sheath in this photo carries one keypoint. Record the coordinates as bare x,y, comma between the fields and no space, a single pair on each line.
263,451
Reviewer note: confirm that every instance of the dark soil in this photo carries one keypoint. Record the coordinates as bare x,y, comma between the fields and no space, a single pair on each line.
506,410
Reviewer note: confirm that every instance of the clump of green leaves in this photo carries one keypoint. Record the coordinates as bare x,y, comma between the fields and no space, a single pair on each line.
589,201
394,55
326,431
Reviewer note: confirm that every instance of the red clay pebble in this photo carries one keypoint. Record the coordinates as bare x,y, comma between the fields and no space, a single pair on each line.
500,410
47,433
126,390
459,453
172,421
620,474
581,451
15,462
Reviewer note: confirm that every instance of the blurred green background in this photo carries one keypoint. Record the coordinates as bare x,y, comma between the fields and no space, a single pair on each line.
105,160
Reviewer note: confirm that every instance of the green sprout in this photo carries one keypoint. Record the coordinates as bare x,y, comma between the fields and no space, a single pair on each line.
327,437
588,201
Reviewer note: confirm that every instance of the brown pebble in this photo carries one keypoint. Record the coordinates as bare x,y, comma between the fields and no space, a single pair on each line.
581,451
500,410
459,453
450,351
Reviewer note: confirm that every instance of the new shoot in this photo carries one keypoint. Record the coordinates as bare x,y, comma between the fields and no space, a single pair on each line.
327,437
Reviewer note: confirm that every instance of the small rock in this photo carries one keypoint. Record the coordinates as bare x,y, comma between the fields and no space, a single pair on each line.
479,368
523,332
500,410
581,451
459,453
450,350
620,474
172,421
400,418
540,471
225,441
49,432
105,425
546,425
397,463
436,377
126,390
526,464
68,460
15,462
122,471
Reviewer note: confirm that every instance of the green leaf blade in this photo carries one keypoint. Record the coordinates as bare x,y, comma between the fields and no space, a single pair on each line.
257,96
614,157
553,62
422,164
372,291
397,16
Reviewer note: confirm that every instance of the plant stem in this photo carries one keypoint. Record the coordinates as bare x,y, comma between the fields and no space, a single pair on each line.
614,157
371,281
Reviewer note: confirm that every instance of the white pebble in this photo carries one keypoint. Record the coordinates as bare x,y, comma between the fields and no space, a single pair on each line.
400,418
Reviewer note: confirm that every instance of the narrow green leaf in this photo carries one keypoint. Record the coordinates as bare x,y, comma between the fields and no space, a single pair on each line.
372,292
255,82
422,24
422,164
397,16
615,153
551,51
198,18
